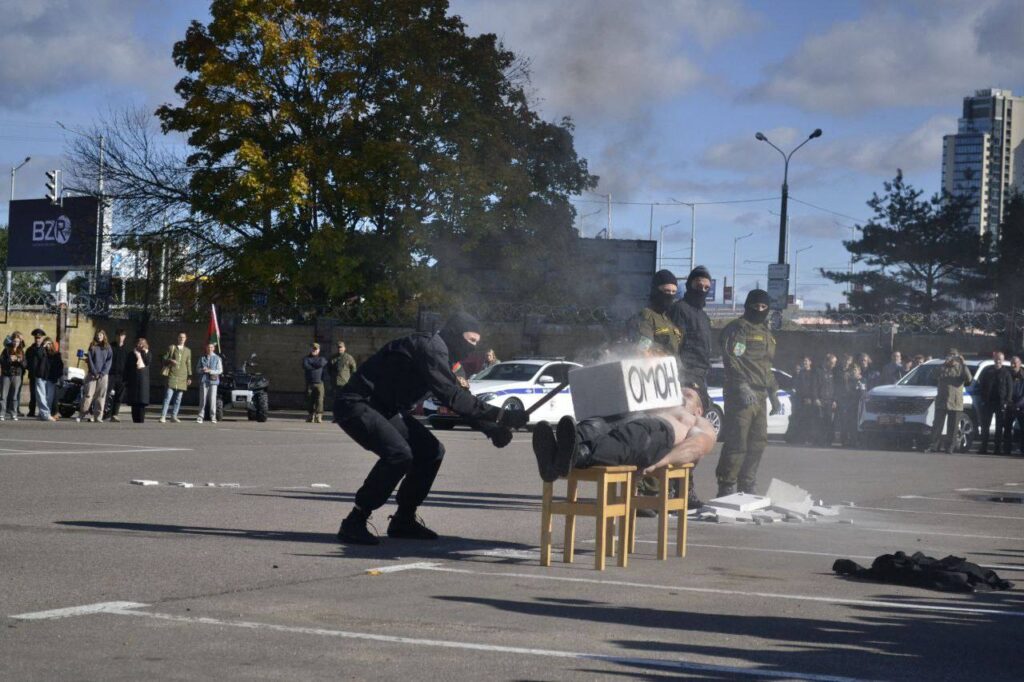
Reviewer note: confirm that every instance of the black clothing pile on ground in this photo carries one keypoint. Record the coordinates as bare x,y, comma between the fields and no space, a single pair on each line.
952,574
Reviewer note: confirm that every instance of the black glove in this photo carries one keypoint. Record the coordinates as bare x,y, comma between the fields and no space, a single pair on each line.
513,419
746,395
500,436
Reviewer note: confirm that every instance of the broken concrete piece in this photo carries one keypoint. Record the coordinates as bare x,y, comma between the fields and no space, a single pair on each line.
794,518
229,485
824,511
319,485
847,503
766,518
743,502
211,485
143,481
181,484
786,497
848,521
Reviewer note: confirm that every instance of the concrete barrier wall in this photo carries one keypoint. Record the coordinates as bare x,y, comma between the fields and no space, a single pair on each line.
280,348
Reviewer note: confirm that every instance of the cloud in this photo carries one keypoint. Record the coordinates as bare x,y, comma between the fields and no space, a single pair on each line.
901,55
877,155
53,46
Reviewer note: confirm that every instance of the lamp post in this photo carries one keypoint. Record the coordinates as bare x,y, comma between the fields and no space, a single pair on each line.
735,243
661,242
796,266
693,231
785,186
14,171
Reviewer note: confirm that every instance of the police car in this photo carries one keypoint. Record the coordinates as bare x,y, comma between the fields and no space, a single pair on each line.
513,385
905,410
777,424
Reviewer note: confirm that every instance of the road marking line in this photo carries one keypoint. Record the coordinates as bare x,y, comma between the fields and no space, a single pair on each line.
101,607
126,609
940,499
986,490
951,535
403,567
936,513
23,453
76,443
710,590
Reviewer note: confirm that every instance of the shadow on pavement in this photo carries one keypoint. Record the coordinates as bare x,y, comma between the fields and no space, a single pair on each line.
437,498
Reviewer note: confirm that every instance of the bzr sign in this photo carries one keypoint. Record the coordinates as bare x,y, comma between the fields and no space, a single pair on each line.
58,231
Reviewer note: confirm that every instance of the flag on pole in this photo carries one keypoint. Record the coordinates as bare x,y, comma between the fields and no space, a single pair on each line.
213,329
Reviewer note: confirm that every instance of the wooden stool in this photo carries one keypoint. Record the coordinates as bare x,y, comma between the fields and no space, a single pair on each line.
607,507
663,503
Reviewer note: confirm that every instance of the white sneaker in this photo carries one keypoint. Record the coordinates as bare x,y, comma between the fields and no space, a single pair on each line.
213,421
163,420
2,418
175,420
199,420
14,418
78,419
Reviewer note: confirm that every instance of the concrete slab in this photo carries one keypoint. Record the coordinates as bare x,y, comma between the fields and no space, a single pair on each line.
740,502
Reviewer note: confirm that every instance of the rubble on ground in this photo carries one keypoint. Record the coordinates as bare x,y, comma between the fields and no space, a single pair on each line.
783,502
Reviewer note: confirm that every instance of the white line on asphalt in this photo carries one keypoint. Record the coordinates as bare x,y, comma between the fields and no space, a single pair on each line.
908,606
935,532
403,567
986,490
77,453
101,607
940,499
75,443
937,513
662,664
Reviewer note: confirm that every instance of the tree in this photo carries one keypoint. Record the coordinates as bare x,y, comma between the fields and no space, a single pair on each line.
923,253
363,147
21,282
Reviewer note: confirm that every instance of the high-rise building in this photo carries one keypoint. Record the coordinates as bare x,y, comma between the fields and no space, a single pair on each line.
985,158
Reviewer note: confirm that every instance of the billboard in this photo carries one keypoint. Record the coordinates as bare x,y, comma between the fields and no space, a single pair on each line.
44,236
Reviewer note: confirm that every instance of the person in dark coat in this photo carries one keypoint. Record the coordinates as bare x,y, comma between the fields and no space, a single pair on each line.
314,366
375,409
1015,413
803,421
137,380
49,370
31,354
118,372
825,399
995,389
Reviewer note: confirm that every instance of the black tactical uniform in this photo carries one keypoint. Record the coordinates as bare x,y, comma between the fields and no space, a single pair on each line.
695,353
748,348
995,392
374,408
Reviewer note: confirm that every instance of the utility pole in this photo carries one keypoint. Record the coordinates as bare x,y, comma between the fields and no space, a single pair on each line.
650,221
609,195
14,171
796,267
693,230
735,243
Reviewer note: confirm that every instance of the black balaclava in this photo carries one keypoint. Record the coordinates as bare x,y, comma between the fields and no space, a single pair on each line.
753,298
452,335
695,297
659,301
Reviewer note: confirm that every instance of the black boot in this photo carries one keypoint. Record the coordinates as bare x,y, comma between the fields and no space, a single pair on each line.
571,452
405,524
354,531
545,449
725,489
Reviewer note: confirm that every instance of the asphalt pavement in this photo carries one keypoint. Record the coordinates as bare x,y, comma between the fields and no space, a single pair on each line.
101,579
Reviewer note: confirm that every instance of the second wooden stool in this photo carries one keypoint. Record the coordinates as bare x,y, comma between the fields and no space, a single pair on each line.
663,503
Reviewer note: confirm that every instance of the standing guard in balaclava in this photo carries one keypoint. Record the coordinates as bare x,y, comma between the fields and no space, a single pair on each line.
374,409
748,348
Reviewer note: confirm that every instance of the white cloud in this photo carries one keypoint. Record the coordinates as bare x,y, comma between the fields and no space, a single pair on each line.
903,55
53,46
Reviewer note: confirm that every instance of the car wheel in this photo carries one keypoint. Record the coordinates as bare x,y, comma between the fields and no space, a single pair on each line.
715,416
965,433
512,404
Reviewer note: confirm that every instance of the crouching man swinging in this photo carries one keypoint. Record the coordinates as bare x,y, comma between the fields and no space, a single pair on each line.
374,407
648,441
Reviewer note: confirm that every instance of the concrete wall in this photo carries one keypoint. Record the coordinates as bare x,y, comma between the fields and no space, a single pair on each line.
280,348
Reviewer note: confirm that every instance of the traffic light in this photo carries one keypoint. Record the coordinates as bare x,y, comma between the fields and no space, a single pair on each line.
53,186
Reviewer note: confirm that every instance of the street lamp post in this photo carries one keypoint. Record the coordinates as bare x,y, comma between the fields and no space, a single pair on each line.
735,243
796,266
661,243
785,186
14,171
693,231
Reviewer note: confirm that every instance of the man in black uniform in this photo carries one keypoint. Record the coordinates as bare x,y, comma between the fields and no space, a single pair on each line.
373,408
995,391
825,400
695,353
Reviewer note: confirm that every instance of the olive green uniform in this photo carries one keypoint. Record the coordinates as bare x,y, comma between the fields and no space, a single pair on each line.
949,403
657,334
747,352
342,367
654,331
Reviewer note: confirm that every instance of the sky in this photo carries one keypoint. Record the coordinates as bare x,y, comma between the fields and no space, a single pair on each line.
666,96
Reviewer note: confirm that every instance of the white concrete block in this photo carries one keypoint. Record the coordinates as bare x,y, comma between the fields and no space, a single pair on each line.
181,484
143,481
731,514
211,485
786,497
741,502
319,485
624,386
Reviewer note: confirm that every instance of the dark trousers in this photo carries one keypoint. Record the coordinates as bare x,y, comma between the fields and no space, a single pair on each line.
846,415
31,395
746,436
1013,417
952,421
138,413
115,388
637,442
407,450
801,422
985,414
826,431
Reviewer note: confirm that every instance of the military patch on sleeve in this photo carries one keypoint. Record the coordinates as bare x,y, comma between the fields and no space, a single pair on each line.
739,349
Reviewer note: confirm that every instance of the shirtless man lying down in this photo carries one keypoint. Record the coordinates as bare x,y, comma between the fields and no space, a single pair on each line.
647,441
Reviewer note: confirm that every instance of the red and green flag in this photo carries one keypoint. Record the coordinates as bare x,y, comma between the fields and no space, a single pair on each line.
213,329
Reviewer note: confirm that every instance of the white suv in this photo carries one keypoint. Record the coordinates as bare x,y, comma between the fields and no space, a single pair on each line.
905,411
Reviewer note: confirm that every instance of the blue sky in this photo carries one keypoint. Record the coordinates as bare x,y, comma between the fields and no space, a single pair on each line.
666,97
